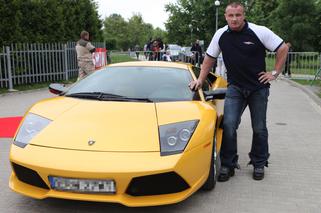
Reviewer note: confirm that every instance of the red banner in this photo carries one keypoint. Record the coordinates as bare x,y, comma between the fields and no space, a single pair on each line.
100,57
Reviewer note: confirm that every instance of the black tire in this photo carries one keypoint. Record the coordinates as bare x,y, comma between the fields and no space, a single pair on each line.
214,168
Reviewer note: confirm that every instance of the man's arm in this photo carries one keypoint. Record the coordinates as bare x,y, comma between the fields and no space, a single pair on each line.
90,47
205,69
281,54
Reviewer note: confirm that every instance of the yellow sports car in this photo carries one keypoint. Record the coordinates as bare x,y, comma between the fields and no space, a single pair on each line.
131,133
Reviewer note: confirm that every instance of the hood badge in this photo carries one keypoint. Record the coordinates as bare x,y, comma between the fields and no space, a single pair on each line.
91,142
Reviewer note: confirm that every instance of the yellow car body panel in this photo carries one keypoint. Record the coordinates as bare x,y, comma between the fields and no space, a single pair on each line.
192,166
105,121
51,108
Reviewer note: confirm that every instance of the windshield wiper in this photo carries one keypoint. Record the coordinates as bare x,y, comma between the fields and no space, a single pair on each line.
124,98
106,96
86,95
92,95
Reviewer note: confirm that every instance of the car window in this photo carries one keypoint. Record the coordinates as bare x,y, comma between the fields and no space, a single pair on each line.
155,83
207,84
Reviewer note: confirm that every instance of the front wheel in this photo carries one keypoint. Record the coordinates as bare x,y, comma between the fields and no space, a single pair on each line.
214,168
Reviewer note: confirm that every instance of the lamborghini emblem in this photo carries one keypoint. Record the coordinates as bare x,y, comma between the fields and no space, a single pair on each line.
91,142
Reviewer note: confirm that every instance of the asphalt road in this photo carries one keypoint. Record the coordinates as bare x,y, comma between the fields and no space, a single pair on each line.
292,181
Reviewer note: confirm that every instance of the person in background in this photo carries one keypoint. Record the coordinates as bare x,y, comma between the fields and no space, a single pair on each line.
197,52
167,56
156,51
220,67
137,49
287,66
243,46
84,51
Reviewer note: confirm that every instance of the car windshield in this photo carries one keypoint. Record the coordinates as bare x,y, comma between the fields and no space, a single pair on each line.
136,83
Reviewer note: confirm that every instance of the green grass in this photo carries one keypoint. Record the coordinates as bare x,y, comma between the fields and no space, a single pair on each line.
117,58
316,83
301,66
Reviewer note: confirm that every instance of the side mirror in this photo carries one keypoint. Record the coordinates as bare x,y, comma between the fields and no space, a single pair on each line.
218,93
57,89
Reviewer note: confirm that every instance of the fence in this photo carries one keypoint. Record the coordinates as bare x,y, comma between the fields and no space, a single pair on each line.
302,64
34,63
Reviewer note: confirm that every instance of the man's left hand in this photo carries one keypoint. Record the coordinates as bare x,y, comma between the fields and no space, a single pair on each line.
266,77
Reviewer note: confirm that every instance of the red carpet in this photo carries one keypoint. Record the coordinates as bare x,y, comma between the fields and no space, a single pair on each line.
8,126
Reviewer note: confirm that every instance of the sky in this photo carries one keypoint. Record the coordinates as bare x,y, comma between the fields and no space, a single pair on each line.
152,11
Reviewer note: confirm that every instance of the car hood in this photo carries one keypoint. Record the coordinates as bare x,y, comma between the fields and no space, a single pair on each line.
110,126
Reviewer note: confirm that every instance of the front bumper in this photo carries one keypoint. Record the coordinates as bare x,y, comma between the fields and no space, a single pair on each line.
124,168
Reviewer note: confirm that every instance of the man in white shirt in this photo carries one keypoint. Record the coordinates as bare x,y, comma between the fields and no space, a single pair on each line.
243,46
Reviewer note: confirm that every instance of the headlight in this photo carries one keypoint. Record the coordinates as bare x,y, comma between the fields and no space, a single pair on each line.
174,137
30,127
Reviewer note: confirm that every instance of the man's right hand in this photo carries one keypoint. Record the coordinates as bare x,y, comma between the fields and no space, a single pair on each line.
195,85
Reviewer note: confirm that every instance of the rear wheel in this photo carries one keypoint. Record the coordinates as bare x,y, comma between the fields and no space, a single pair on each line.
214,168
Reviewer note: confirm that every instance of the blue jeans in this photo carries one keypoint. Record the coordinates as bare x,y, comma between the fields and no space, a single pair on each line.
236,101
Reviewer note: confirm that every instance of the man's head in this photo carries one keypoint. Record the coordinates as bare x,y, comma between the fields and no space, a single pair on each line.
84,35
197,41
235,16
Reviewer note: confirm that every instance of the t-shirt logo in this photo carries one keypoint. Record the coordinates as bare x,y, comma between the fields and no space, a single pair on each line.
248,42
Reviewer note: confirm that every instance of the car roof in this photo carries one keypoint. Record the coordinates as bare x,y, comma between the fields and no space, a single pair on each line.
151,64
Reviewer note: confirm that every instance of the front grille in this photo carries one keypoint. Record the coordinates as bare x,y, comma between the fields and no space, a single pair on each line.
164,183
28,176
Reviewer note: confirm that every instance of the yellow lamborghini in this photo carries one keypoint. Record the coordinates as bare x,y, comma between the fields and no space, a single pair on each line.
131,133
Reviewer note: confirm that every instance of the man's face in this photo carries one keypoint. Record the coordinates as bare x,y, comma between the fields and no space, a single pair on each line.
235,17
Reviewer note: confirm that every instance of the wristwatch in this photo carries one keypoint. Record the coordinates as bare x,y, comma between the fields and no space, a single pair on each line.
275,73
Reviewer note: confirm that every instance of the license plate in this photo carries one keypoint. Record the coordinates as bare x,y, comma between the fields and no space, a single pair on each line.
82,185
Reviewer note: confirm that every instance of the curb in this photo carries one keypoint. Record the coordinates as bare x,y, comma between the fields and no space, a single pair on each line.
306,90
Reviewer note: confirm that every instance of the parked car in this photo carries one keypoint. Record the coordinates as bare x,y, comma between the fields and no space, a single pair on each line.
174,51
130,133
186,54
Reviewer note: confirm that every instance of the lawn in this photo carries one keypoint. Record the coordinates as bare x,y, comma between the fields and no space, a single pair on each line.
121,57
302,63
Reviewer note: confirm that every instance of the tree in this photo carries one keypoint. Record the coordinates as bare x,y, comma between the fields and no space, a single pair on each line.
120,34
136,31
295,21
9,16
190,20
115,31
42,21
47,21
317,41
259,11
